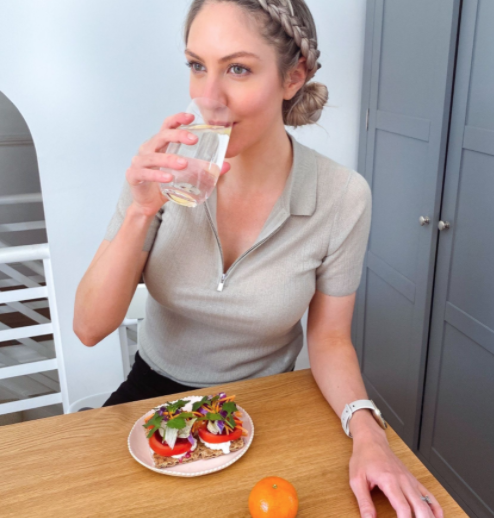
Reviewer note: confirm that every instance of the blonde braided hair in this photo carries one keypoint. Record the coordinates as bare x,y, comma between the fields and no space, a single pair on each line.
291,29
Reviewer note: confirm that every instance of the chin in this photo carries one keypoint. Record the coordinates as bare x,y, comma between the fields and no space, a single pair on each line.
234,148
231,152
238,144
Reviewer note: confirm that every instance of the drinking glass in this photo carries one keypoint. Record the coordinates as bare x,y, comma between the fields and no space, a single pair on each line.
212,124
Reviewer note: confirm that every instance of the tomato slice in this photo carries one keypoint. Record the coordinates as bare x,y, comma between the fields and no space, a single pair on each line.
181,446
214,438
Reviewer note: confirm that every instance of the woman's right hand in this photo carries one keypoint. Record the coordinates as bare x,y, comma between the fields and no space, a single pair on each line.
144,175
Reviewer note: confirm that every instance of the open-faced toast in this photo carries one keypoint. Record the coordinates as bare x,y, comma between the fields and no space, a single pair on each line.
210,429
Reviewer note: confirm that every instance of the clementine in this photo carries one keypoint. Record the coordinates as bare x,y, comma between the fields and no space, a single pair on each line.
273,497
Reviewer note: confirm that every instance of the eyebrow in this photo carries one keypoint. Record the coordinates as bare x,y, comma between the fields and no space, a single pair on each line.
240,54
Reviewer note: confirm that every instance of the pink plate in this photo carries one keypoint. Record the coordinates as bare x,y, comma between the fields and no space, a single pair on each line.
142,453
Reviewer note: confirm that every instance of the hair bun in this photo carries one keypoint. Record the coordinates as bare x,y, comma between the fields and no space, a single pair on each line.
306,106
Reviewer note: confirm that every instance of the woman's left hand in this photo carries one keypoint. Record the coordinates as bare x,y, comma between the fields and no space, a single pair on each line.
374,464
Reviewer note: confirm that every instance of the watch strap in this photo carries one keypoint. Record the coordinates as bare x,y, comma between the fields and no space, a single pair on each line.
353,407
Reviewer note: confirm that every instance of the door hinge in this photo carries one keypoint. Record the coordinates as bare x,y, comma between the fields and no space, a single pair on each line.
367,120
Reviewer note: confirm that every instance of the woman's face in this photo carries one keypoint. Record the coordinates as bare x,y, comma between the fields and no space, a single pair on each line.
248,85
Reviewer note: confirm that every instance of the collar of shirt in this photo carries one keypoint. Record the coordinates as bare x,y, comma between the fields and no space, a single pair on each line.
298,197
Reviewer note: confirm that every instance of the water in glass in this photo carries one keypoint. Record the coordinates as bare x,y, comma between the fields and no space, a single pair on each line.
194,184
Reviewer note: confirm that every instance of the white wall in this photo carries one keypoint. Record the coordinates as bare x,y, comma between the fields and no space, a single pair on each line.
93,81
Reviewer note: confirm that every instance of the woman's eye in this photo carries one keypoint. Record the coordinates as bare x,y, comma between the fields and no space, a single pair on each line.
191,65
241,68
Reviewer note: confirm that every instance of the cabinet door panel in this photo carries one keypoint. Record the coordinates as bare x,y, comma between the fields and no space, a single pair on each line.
458,423
408,73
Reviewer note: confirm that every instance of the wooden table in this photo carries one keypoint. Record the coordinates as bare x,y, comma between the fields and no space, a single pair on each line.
78,465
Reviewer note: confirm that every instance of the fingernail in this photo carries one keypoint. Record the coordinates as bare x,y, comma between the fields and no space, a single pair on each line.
191,137
181,161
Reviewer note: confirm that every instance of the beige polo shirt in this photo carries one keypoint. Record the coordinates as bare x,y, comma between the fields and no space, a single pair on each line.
205,327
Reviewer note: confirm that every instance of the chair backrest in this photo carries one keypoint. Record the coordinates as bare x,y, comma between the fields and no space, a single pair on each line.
138,303
45,356
134,315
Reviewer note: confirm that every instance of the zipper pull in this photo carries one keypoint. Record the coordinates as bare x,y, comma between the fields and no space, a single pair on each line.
222,282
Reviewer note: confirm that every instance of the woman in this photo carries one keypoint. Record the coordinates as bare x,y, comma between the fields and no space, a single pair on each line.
284,230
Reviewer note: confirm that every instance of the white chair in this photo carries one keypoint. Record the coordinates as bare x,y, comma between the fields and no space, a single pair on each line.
134,316
31,359
18,386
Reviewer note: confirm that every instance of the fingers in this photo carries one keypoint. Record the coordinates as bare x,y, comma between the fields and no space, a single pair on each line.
174,121
390,487
135,176
225,168
436,509
361,490
161,140
156,160
412,493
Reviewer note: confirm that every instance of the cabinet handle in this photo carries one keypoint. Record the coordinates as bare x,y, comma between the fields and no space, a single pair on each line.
443,225
424,221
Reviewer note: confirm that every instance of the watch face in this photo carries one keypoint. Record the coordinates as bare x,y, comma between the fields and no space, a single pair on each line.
378,414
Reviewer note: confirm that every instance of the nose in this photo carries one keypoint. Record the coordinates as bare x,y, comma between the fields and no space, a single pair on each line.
212,88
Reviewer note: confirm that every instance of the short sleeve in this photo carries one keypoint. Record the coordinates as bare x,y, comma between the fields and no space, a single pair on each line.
118,217
341,269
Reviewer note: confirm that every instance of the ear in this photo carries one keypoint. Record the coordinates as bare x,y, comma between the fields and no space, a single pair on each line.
296,79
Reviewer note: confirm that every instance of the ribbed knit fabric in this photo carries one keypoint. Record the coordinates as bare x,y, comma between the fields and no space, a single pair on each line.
314,239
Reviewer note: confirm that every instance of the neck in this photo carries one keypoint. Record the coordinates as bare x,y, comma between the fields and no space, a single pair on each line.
263,166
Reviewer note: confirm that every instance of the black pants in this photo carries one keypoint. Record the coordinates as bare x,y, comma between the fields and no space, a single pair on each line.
144,383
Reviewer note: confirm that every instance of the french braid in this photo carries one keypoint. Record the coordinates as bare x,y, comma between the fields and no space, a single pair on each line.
292,26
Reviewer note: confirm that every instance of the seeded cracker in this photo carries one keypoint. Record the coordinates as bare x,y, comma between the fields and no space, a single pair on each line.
201,452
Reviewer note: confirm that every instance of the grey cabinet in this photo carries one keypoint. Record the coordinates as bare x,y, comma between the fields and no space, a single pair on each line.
409,64
458,420
424,318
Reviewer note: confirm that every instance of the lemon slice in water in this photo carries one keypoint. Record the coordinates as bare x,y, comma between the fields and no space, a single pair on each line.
218,129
